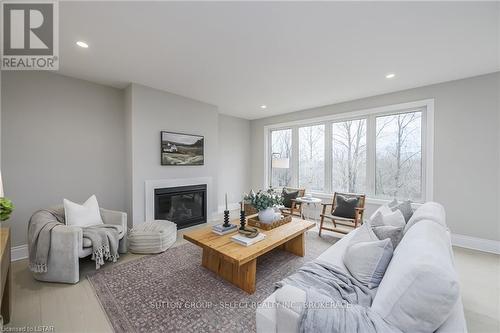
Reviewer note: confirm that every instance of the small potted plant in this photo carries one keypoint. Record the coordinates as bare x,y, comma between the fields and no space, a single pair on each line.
264,202
6,208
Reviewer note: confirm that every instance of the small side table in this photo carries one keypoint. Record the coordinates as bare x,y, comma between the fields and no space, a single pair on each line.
308,202
5,276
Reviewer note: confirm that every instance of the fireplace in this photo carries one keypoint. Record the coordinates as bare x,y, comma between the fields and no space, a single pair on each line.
184,205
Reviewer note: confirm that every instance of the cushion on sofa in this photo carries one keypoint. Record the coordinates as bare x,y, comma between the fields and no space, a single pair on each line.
405,208
363,234
367,261
395,219
389,231
335,253
393,203
420,287
431,211
384,209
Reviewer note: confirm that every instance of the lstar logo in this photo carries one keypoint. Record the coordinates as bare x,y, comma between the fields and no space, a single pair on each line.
30,35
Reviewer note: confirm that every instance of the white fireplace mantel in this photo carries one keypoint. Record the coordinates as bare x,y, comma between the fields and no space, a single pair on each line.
151,185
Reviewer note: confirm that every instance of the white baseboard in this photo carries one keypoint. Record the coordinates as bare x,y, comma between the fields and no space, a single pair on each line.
19,252
474,243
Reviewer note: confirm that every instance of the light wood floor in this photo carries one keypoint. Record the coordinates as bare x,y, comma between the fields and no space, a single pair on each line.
75,308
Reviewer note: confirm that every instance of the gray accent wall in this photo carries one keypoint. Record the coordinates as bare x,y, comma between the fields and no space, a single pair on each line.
234,159
152,111
61,138
466,147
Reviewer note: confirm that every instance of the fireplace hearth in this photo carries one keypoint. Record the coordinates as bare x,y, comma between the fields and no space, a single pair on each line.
184,205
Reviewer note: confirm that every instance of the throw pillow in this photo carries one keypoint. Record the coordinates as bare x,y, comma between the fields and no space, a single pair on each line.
395,219
395,234
405,208
82,215
345,207
393,203
288,196
384,209
363,234
367,261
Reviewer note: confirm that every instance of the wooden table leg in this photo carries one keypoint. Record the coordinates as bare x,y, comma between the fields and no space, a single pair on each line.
243,276
296,245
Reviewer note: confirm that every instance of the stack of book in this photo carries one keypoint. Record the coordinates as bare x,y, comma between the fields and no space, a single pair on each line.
220,229
245,241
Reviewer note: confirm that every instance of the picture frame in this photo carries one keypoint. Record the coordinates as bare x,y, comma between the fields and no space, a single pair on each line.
178,149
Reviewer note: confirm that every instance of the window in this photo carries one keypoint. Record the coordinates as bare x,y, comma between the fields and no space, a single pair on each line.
312,157
281,151
399,156
349,156
384,152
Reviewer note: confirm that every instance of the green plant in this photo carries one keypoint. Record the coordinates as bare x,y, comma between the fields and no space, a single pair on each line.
263,199
6,208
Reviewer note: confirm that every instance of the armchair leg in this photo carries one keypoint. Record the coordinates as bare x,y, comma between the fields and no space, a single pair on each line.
322,219
321,225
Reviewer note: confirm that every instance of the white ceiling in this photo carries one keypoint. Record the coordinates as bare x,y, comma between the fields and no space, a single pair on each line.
286,55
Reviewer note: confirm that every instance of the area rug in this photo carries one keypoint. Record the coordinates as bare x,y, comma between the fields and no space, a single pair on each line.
172,292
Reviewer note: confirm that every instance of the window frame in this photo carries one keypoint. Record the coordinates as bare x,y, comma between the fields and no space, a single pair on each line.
298,151
427,142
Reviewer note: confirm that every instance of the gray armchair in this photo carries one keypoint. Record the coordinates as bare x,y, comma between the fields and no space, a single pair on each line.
67,246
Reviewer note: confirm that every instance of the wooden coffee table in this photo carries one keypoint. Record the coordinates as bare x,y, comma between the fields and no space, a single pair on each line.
237,263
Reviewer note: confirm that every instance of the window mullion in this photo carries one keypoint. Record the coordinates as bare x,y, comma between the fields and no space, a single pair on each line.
328,158
371,138
295,157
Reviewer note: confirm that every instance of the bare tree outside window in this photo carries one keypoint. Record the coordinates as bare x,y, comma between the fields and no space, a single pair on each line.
312,157
281,146
399,156
349,156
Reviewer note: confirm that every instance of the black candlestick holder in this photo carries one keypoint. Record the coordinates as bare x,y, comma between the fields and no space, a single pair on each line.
242,220
226,219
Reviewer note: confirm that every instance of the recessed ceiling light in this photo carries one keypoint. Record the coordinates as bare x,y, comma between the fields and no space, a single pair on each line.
390,76
82,44
263,106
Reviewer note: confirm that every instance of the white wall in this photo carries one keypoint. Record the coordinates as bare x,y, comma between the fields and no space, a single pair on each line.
466,147
153,111
61,138
234,159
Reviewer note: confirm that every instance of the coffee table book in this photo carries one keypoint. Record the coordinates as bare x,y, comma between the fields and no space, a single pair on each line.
219,229
245,241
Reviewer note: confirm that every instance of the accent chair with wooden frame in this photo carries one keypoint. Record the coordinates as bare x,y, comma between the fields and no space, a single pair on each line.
350,222
295,208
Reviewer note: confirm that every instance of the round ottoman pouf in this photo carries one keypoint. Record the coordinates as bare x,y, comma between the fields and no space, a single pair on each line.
152,237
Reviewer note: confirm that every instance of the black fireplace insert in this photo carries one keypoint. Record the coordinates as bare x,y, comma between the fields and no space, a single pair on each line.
184,205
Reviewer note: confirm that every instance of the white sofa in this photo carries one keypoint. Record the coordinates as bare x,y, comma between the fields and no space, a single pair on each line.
422,261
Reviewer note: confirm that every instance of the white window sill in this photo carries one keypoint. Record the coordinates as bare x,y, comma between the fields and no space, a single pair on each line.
371,201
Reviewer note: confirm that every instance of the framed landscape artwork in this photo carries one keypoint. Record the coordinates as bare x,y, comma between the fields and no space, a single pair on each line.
181,149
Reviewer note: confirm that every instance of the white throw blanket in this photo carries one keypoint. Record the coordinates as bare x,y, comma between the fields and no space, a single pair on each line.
104,239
